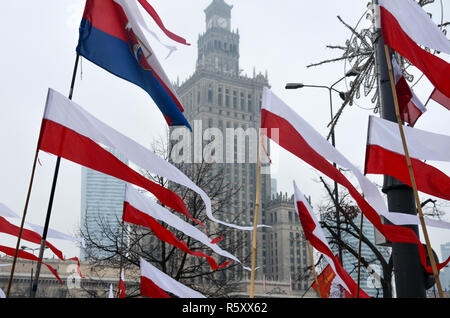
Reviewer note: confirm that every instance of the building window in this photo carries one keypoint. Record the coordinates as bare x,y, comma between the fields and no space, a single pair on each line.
234,99
250,102
210,95
219,96
227,98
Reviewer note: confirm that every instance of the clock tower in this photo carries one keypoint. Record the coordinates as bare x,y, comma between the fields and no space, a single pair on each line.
218,47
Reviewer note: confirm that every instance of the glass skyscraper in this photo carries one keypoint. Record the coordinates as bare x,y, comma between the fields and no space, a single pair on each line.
101,207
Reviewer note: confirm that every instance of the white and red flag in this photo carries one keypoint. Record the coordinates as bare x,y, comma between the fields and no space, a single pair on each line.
385,155
298,137
142,210
440,98
405,27
314,234
72,133
156,284
410,106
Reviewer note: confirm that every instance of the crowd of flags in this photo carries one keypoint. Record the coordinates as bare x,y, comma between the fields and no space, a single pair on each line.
111,37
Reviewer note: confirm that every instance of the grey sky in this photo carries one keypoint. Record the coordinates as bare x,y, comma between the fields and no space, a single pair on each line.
282,37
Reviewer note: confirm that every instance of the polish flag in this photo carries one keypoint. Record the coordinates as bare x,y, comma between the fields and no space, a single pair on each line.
440,98
298,137
51,233
314,234
156,284
410,106
143,211
25,255
33,237
72,133
405,27
385,155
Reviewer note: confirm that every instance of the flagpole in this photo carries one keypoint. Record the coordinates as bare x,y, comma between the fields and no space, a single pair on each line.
22,222
311,256
255,220
52,195
359,254
121,260
411,175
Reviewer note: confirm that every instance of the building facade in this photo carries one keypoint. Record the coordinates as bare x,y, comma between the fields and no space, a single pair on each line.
101,207
221,102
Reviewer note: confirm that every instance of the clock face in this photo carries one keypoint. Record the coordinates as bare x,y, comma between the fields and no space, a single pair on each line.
222,22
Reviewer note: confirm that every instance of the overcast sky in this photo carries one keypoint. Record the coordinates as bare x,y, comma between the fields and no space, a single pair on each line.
283,37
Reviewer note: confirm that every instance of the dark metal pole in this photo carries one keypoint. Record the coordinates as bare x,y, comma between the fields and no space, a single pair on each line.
52,195
409,272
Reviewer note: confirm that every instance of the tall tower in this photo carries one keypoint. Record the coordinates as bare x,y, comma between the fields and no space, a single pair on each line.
218,96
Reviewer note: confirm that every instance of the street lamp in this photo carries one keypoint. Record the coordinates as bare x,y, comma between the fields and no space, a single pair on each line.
342,95
23,247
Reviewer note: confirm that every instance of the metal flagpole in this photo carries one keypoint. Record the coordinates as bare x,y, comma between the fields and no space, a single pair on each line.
411,175
52,195
359,254
255,219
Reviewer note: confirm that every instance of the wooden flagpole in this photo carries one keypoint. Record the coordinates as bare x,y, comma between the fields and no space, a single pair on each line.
255,219
11,276
359,254
121,260
311,256
411,174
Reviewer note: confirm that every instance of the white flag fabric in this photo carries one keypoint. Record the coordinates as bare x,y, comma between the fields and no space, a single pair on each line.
148,206
111,293
165,282
2,294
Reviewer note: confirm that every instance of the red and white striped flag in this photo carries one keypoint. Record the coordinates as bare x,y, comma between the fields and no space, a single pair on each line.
385,155
410,106
315,236
156,284
72,133
302,140
405,27
143,211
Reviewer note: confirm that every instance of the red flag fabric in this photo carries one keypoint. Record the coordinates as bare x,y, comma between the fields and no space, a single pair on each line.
440,98
314,234
302,140
385,155
34,237
410,106
159,22
405,26
25,255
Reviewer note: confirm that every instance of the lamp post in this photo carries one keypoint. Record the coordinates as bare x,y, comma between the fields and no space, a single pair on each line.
342,95
23,247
